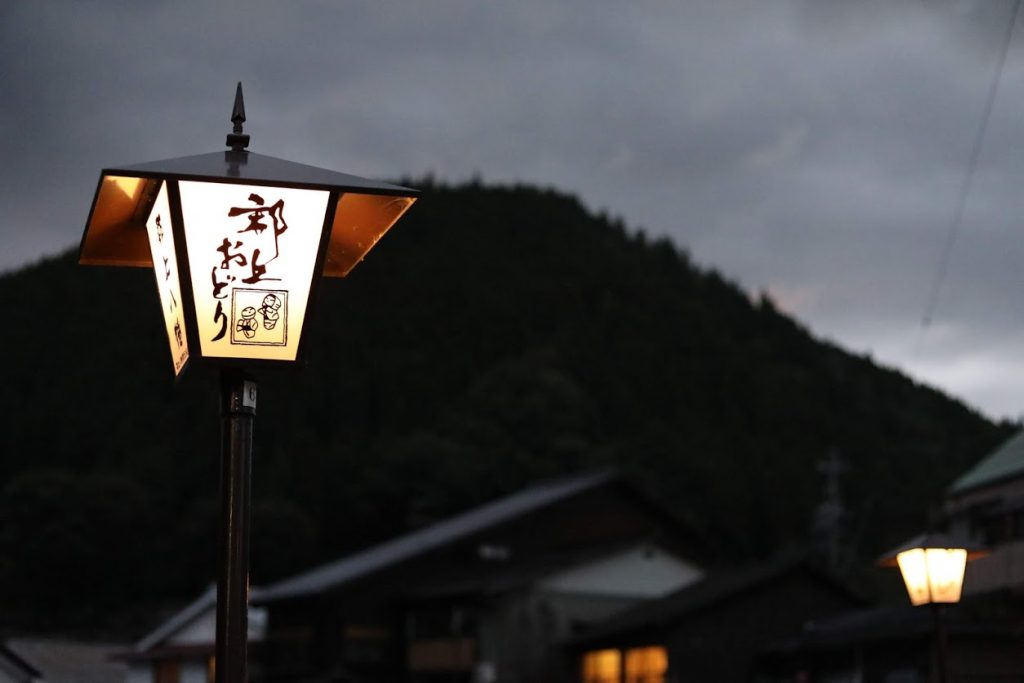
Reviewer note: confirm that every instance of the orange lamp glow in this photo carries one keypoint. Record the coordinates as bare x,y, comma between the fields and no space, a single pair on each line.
933,567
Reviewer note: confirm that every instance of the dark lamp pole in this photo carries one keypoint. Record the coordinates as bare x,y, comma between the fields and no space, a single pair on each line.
236,242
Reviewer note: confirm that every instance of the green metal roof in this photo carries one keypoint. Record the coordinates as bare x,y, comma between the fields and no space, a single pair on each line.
1003,463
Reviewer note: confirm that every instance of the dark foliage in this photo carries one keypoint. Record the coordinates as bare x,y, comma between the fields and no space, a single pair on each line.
498,336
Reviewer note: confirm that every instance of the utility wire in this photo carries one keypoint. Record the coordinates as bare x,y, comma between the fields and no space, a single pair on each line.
972,166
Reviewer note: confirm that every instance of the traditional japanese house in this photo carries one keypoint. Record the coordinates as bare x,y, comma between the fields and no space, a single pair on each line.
984,636
180,650
986,504
486,596
710,630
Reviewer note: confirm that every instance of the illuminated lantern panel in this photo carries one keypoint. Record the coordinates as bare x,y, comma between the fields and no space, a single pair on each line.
236,241
165,268
252,252
946,572
646,665
602,666
933,574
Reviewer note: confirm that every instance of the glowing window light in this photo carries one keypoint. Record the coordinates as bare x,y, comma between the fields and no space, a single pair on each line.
646,664
602,666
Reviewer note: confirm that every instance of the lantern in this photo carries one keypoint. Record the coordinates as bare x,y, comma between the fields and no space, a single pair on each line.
237,241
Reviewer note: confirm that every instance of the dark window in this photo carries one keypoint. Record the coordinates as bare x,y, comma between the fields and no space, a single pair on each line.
167,671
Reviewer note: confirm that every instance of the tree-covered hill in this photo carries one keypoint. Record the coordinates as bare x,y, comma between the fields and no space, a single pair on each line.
498,335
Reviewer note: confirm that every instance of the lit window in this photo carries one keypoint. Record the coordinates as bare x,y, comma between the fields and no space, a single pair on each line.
646,665
602,666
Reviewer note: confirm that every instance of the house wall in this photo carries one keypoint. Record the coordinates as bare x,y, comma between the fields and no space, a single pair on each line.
10,672
13,676
308,635
203,629
721,641
643,571
191,671
994,517
1004,567
519,635
139,672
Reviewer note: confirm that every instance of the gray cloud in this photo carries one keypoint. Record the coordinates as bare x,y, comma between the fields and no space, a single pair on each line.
813,148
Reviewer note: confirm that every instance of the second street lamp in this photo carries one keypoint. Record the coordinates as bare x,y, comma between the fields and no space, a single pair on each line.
932,566
236,242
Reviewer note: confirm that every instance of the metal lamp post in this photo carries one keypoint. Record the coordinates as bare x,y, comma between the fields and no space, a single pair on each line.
933,567
236,241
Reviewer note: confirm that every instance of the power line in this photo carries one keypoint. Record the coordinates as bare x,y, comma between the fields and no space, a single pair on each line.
972,166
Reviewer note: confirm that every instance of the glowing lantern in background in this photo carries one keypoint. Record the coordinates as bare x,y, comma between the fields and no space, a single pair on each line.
933,566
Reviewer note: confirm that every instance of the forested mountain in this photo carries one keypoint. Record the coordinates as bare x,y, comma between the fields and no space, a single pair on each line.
496,336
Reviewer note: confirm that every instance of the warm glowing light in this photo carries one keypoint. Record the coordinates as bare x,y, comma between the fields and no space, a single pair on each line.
252,251
646,664
113,235
933,574
165,267
128,185
360,220
602,666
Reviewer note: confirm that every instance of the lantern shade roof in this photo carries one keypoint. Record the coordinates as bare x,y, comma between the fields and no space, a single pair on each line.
258,169
934,540
115,232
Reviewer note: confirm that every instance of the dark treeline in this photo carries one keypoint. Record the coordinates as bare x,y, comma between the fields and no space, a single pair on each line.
497,336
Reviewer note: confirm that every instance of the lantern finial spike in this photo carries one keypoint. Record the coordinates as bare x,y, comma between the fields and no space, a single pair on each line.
238,141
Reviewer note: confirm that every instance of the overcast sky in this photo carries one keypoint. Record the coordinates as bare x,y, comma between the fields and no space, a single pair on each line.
810,148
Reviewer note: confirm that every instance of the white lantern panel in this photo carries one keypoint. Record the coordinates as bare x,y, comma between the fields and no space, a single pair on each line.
946,573
165,267
914,568
252,251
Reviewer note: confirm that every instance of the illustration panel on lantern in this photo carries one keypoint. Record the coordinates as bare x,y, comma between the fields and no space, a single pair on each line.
253,250
261,317
165,267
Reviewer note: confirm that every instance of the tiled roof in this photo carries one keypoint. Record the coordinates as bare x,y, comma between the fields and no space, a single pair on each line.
180,619
716,587
62,661
206,602
1005,462
376,558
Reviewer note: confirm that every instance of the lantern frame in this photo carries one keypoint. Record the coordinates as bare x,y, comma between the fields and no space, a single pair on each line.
932,541
357,209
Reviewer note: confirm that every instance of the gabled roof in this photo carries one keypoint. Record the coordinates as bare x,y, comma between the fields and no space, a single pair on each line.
65,661
14,668
498,580
194,609
256,168
390,553
717,587
1006,462
992,614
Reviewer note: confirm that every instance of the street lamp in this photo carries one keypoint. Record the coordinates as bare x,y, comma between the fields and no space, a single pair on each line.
933,566
236,241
